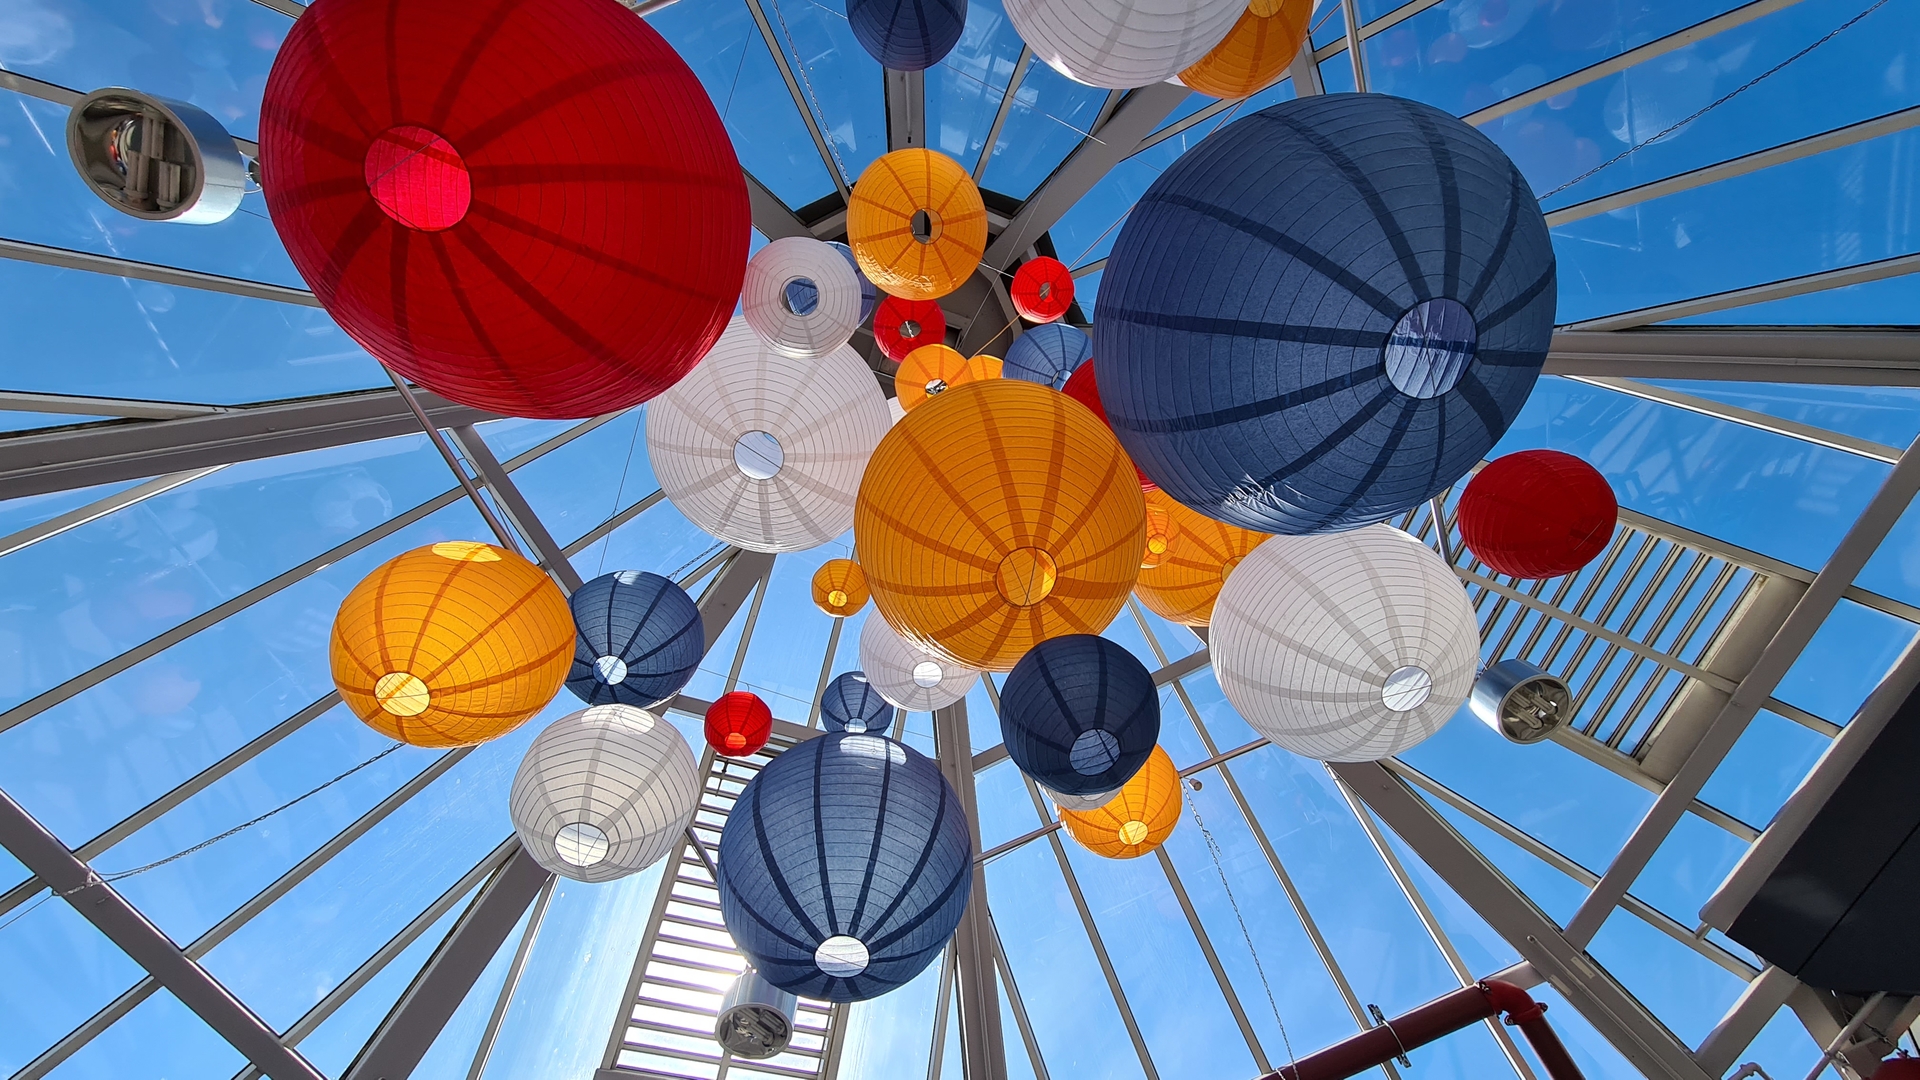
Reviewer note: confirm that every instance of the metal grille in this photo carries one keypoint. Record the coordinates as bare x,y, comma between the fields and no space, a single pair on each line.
687,961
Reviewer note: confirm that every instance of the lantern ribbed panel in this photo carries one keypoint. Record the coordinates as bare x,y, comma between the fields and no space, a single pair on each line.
1083,387
840,588
1537,514
852,703
451,644
1079,714
1325,313
1254,54
994,516
845,836
738,724
1041,289
1183,585
933,369
787,276
1048,354
1078,802
1121,44
901,326
1349,646
869,294
824,416
1137,819
604,792
907,35
579,222
880,224
897,668
646,623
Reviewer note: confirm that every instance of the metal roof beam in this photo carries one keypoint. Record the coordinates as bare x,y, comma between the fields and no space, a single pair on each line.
1818,355
801,98
982,1043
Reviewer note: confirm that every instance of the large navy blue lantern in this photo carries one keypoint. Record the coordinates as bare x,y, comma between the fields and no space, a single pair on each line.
1325,313
851,703
1047,354
1079,714
907,35
844,867
640,639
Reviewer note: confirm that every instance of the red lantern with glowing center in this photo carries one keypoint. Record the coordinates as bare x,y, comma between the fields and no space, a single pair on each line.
530,208
1042,289
1082,388
739,724
901,326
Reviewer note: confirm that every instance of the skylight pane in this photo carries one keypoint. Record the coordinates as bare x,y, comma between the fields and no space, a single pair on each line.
965,89
1051,115
790,641
56,970
837,77
165,1037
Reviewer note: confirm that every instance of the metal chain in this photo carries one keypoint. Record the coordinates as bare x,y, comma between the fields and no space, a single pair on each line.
1213,849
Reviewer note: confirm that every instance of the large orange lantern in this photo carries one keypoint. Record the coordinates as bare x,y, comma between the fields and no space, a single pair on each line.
840,588
1255,53
1198,554
994,516
1139,817
916,224
451,644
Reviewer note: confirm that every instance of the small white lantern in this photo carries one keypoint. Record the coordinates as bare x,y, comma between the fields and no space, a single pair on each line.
907,676
604,792
801,296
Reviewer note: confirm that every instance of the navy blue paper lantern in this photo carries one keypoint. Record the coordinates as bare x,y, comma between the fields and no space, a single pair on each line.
640,639
907,35
844,867
1047,354
851,703
1325,313
869,294
1079,714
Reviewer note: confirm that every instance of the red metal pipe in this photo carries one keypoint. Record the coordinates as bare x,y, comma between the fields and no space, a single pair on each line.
1422,1025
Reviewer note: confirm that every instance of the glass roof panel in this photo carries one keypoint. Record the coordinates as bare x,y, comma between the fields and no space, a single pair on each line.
1051,114
56,970
164,1038
451,1055
837,78
964,90
892,1036
1889,302
1883,414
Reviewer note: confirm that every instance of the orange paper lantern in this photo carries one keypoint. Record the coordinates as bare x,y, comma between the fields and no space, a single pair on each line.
840,588
997,515
1139,817
1200,552
451,644
1255,53
916,224
1161,529
933,369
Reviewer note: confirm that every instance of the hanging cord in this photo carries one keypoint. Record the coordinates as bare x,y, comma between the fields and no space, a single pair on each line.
826,133
1735,92
619,492
1213,850
96,878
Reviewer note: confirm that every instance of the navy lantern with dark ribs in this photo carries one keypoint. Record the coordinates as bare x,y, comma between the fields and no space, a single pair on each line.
639,639
852,703
907,35
1079,714
1325,313
844,867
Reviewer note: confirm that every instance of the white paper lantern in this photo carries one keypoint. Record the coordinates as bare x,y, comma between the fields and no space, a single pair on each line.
1120,44
913,680
604,792
1349,646
801,297
764,450
1078,802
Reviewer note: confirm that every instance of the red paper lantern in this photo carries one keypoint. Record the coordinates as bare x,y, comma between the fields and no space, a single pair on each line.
901,326
529,208
1082,388
1042,289
738,724
1537,514
1898,1068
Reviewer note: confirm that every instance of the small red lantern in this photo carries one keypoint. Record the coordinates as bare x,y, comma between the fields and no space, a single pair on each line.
530,208
1081,388
738,724
1898,1068
1537,514
1042,289
901,326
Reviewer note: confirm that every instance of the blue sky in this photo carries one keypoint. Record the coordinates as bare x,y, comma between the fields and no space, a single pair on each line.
85,597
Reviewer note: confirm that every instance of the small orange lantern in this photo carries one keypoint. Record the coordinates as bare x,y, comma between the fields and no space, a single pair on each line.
840,588
1198,555
1255,53
933,369
1139,817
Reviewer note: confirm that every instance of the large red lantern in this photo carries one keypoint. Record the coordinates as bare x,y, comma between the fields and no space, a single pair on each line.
529,208
739,724
1537,514
1082,388
901,326
1042,289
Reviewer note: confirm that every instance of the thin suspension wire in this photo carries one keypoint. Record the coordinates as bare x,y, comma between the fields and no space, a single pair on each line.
826,131
1213,850
1729,96
618,492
